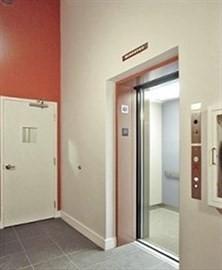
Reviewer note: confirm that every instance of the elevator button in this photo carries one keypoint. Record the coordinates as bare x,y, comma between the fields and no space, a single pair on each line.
196,179
196,186
196,159
195,121
125,132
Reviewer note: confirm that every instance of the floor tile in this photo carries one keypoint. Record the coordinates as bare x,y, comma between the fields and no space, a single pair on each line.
61,263
88,258
67,232
41,254
164,266
30,230
53,222
10,248
7,235
36,242
74,244
14,261
106,265
136,261
124,250
57,227
26,268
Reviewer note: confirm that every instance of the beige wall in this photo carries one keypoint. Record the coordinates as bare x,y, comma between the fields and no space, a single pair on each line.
95,34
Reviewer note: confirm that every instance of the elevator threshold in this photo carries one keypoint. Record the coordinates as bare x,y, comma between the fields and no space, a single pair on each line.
158,252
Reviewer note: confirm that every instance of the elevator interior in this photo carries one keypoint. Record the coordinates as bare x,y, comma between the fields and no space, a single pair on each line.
158,160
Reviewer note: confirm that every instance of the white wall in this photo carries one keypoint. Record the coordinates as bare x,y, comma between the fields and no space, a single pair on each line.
95,34
155,158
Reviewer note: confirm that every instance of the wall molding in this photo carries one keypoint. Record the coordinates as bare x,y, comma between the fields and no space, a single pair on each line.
100,241
58,214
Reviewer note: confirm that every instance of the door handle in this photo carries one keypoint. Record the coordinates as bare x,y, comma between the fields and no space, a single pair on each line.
213,152
9,167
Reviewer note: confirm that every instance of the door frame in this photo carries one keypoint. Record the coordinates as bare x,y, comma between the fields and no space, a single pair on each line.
2,180
129,81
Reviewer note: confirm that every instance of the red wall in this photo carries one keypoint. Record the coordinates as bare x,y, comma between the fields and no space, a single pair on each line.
30,49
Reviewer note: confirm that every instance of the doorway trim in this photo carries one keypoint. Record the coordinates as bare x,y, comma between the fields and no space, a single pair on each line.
55,154
124,75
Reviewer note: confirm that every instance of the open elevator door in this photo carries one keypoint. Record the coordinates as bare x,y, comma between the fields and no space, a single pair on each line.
151,205
126,153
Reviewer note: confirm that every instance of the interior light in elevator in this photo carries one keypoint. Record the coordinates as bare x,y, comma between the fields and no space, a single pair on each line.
163,92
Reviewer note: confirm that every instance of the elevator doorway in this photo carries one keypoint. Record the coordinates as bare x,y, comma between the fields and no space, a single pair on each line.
146,115
158,161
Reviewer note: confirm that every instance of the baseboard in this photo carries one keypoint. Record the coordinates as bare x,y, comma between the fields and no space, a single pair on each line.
110,243
162,205
58,214
103,243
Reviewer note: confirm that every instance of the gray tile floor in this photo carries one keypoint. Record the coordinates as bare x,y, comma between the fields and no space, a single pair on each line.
52,244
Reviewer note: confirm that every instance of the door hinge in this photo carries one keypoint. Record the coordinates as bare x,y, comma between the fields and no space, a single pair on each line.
54,161
54,204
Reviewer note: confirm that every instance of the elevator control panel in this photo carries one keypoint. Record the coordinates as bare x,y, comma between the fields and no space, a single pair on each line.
196,153
196,172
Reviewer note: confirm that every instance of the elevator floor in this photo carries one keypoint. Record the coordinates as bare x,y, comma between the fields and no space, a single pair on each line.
164,229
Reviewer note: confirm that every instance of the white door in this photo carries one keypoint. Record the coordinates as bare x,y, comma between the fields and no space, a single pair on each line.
28,160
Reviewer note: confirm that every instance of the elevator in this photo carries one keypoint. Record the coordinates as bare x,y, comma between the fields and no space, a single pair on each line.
147,158
158,173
